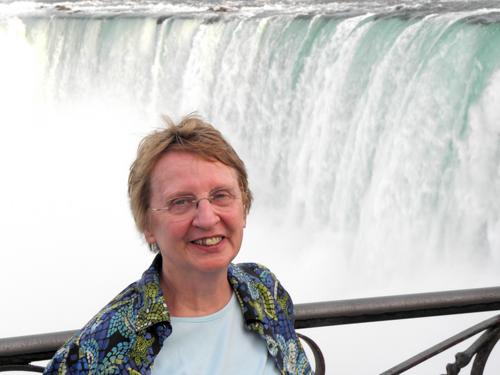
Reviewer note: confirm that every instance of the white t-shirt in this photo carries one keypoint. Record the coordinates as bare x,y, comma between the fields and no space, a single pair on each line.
217,343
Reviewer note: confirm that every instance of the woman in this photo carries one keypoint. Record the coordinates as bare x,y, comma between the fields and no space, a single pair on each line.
193,311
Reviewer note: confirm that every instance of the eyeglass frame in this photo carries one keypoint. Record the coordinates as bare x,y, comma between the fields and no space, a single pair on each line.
195,201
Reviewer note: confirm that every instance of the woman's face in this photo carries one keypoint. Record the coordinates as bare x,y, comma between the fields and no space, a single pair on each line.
208,238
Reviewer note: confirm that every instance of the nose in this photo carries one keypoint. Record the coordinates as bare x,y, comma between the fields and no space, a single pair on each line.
205,216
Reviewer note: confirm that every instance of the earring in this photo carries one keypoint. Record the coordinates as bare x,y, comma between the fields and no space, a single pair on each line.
154,247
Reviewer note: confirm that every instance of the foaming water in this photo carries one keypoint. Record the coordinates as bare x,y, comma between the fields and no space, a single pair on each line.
111,8
370,131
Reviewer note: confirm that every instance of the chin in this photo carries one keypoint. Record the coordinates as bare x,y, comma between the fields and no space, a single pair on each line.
214,265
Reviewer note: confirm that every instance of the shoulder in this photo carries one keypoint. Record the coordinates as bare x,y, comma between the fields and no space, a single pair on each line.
259,282
254,270
114,322
255,273
121,309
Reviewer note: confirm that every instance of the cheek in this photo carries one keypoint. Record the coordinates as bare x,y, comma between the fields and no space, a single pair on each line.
168,231
238,221
173,230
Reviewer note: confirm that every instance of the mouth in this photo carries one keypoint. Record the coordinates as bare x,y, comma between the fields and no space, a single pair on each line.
208,241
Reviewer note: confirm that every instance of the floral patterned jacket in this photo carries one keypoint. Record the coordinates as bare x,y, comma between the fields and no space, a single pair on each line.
126,336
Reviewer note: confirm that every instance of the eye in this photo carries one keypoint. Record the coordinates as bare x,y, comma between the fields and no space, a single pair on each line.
180,203
221,197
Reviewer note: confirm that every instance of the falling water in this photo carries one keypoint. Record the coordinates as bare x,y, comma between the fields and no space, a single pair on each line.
371,133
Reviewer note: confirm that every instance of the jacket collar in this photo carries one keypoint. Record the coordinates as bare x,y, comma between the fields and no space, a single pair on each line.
152,309
246,288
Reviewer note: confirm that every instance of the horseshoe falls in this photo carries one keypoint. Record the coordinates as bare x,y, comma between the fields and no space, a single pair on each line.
371,132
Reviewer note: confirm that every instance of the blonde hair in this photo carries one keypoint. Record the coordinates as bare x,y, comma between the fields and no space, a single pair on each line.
193,135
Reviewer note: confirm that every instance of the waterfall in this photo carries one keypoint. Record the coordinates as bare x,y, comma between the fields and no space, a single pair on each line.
371,135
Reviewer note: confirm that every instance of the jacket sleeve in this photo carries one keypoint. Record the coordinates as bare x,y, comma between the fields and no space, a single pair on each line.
280,295
58,363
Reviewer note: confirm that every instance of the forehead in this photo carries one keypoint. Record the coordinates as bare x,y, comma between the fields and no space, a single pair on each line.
183,171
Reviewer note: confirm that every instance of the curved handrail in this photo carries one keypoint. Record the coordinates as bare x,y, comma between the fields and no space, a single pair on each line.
407,306
319,359
19,352
463,358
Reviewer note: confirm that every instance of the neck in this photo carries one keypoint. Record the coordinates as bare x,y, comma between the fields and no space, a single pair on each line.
190,295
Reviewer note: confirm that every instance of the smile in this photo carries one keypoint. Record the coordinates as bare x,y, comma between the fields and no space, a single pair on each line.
209,241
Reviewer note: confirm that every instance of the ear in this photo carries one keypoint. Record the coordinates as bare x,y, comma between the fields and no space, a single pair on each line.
148,233
150,237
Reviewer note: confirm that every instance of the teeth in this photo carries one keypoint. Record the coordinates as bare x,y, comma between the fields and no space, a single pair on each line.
209,241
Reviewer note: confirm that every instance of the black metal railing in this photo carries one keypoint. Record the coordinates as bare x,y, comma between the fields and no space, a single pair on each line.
17,353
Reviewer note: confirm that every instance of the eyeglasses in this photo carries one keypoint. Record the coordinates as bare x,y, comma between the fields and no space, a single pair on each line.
187,204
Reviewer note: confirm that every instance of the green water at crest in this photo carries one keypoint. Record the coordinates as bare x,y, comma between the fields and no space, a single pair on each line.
373,116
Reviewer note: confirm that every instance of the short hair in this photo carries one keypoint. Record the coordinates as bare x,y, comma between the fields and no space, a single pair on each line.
192,135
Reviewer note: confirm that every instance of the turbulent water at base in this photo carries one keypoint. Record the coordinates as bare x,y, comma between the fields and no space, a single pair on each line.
371,131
